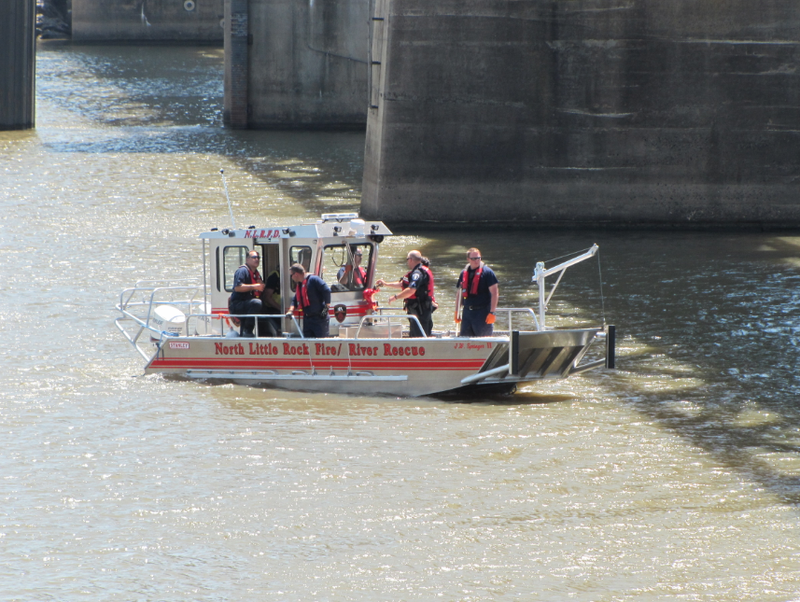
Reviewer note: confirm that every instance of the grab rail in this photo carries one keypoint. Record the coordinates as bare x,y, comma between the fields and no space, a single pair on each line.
380,316
525,310
139,310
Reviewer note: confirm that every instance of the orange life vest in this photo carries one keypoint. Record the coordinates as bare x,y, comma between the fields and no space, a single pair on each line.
302,294
470,288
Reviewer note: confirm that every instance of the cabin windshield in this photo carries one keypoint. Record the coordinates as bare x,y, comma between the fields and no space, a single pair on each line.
233,259
300,254
346,267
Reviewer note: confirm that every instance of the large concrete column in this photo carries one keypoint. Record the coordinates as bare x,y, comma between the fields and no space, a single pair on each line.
584,112
307,64
147,20
17,64
237,42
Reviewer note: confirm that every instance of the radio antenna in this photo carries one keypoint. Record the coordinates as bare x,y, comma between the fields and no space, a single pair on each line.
230,208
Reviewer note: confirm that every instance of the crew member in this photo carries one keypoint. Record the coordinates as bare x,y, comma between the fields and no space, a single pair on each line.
353,275
313,296
246,297
479,292
416,292
271,298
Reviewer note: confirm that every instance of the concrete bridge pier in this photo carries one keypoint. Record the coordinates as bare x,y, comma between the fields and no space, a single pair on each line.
237,37
17,64
188,21
295,64
620,112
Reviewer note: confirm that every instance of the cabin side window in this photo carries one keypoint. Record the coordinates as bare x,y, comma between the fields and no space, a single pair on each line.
301,255
346,267
232,259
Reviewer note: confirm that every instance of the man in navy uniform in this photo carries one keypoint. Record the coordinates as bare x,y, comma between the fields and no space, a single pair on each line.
313,296
417,293
246,297
479,295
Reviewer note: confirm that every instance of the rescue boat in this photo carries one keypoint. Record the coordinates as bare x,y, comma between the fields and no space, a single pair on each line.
184,329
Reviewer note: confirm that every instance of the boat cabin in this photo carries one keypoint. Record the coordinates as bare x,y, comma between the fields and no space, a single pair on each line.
340,248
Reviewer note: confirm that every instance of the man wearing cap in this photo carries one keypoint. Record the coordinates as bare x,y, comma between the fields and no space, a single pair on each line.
479,295
312,296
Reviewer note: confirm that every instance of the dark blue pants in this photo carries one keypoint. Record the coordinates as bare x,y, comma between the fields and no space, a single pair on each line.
473,323
253,306
315,328
425,314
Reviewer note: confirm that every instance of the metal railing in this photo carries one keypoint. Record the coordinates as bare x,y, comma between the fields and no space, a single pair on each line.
522,310
137,305
370,320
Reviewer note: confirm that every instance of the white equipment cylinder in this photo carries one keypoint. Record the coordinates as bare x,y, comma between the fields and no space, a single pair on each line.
169,319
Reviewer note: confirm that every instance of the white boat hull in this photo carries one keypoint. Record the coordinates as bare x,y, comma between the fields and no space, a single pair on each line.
395,367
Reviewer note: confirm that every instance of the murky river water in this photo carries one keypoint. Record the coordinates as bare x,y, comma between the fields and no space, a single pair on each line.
676,477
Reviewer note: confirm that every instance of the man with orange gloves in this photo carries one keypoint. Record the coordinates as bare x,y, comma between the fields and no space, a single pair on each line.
479,295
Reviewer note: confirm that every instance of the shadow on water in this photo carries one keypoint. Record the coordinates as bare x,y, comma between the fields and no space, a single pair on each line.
714,348
500,398
761,445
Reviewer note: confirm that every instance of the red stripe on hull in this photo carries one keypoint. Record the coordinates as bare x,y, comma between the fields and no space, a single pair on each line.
243,364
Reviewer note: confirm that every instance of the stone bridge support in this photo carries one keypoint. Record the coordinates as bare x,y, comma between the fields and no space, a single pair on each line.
196,21
17,64
585,112
296,63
